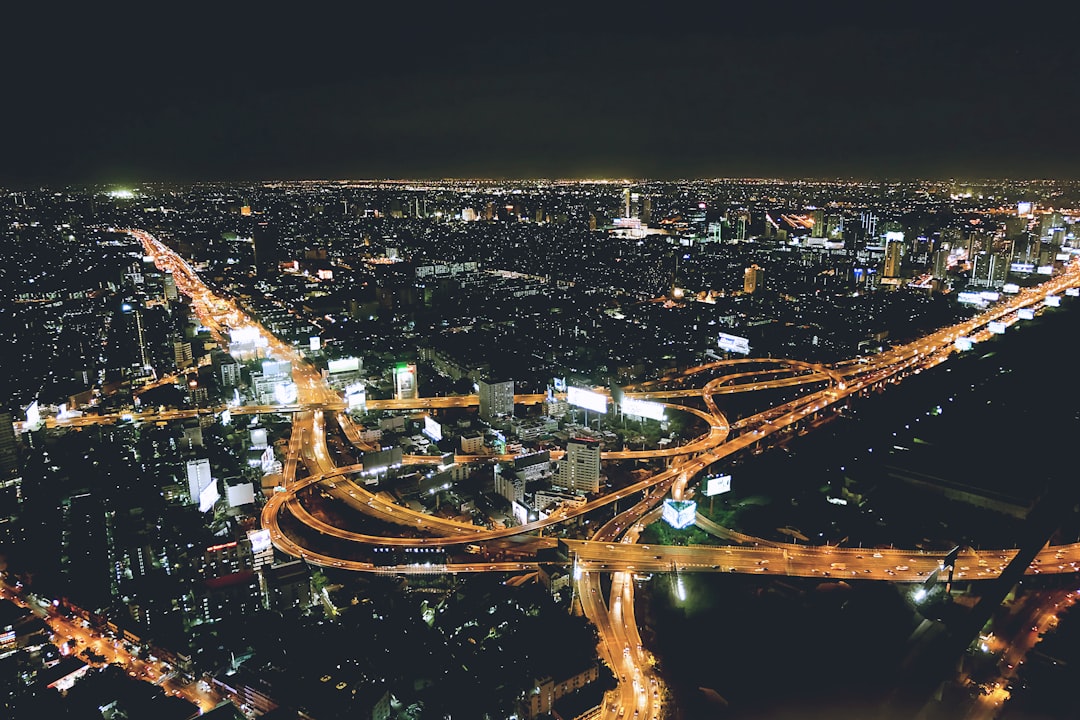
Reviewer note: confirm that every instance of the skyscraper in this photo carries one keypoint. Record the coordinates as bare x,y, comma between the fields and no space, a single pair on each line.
579,470
496,398
265,243
753,279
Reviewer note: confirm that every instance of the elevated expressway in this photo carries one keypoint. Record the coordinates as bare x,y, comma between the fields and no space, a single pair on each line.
613,549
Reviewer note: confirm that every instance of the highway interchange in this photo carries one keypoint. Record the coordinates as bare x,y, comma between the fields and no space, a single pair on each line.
613,548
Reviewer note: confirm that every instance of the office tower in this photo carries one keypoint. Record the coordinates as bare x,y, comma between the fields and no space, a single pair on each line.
171,293
579,470
9,458
496,398
941,263
753,279
265,243
818,229
894,253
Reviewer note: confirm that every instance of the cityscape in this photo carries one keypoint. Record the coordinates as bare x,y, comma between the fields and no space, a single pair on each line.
643,362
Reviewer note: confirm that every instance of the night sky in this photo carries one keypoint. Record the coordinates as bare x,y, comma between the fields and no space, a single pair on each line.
192,92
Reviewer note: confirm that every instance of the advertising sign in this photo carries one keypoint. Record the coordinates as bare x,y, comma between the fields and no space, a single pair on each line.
1022,268
964,343
314,343
996,327
1011,288
1053,300
642,408
1072,292
734,343
349,364
586,399
718,485
356,396
432,428
405,381
1045,270
679,513
285,393
970,298
1025,314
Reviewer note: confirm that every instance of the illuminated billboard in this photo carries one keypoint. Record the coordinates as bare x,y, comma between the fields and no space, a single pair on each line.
314,343
894,236
432,428
964,343
260,540
208,496
679,514
642,408
405,381
285,393
1072,292
356,396
33,415
718,485
1045,270
1023,208
1022,268
1053,300
734,343
586,399
1011,288
996,327
1025,314
971,298
560,384
989,295
349,364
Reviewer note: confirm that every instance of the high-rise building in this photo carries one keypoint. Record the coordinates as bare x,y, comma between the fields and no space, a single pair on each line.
753,279
579,469
9,458
496,398
265,243
894,254
819,227
170,291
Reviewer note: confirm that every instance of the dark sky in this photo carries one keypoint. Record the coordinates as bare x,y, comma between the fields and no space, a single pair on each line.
174,91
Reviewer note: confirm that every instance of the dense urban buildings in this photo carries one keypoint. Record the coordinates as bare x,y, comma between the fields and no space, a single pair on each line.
399,449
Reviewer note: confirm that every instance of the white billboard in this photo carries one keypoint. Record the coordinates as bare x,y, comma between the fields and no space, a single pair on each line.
996,327
314,343
33,415
1045,270
971,298
679,513
1011,288
356,396
405,381
990,295
964,343
1072,292
734,343
208,496
586,399
1063,256
894,236
432,428
642,408
260,540
718,485
349,364
285,393
1022,268
242,494
1053,300
1025,314
258,437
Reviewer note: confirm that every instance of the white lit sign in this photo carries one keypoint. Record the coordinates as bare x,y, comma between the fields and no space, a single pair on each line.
356,396
893,236
679,513
1011,288
1064,256
1053,300
208,496
642,408
1022,268
734,343
405,381
1023,208
1045,270
964,343
989,295
1072,292
315,343
33,415
996,327
349,364
586,399
971,298
718,485
1025,314
432,428
226,417
260,540
285,393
